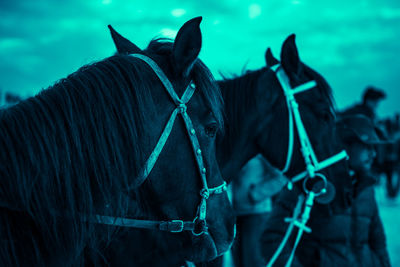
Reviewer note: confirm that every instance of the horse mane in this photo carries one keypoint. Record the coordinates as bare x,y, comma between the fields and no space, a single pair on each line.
236,90
73,150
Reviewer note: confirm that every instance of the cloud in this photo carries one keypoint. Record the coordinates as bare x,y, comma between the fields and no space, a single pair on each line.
347,40
390,13
7,44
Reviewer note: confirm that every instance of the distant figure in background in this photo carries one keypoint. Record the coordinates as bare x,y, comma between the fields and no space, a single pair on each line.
360,136
388,156
372,96
351,236
258,181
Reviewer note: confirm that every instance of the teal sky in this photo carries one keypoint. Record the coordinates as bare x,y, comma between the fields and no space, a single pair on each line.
351,43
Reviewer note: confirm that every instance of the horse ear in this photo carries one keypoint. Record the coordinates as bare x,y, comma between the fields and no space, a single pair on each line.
187,45
269,58
123,45
290,59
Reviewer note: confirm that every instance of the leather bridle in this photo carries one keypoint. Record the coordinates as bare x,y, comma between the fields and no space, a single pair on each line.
199,225
313,166
309,156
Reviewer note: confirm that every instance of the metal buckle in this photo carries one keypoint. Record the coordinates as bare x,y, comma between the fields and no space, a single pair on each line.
182,107
174,222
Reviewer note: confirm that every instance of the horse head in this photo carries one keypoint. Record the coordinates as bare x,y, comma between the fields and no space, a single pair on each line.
178,190
260,118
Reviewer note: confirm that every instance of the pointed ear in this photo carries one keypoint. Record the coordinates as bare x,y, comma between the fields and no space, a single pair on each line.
269,58
187,46
290,56
123,45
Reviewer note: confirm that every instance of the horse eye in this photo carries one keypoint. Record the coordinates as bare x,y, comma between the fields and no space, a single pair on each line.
211,129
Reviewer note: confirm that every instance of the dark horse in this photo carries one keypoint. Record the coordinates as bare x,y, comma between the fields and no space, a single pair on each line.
72,160
256,120
256,114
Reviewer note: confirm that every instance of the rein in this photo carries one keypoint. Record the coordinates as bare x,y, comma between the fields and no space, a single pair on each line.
313,166
199,225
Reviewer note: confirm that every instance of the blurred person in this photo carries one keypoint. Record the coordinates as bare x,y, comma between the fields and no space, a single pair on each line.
256,183
350,236
388,157
371,98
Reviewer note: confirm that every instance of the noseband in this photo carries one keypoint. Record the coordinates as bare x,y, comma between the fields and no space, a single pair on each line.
198,226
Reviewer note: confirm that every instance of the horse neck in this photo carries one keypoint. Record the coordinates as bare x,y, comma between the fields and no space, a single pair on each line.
152,248
237,146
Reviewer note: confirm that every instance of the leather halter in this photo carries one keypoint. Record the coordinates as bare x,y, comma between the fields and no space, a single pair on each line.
199,222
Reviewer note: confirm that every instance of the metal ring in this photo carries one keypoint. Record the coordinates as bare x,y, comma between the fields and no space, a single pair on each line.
323,178
194,227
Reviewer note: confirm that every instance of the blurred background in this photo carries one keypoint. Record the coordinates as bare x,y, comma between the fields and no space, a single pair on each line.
353,44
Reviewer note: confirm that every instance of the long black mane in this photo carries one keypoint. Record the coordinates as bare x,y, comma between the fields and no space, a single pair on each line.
239,92
73,151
